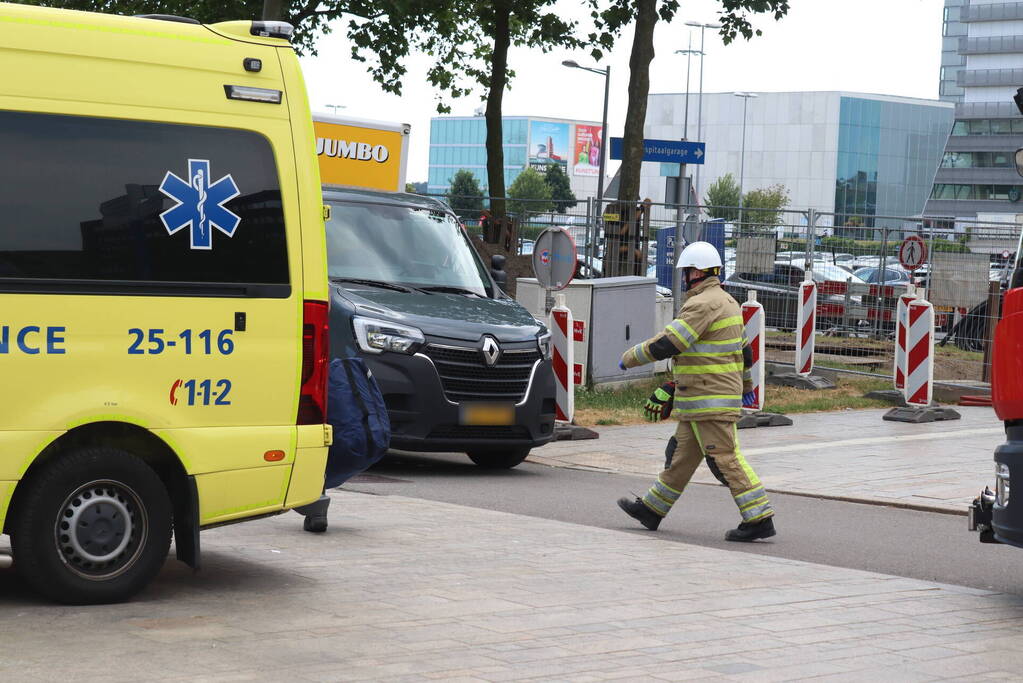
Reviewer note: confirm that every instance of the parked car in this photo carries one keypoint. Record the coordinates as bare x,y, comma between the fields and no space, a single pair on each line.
462,367
778,291
889,275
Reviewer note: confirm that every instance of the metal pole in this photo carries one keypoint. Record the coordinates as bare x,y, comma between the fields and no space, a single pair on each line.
699,114
605,141
742,159
811,233
589,230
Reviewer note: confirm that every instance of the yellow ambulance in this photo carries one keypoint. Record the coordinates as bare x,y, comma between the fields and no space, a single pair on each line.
163,297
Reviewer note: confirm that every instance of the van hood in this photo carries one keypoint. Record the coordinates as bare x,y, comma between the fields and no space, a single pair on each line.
454,316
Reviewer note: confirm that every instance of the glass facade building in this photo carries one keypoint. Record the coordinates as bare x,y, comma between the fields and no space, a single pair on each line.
839,153
887,156
459,142
976,178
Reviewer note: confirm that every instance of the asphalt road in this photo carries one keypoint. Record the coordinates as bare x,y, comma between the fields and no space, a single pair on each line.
922,545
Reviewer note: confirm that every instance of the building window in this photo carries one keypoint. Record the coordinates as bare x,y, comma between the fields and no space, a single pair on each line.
988,127
976,160
974,192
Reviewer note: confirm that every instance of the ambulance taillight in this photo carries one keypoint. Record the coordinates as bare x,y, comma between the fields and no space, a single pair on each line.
312,403
1007,360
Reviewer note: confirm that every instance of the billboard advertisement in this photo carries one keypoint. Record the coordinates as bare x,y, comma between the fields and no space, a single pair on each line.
548,144
589,141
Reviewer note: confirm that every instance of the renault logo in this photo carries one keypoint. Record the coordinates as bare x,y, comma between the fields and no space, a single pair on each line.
491,351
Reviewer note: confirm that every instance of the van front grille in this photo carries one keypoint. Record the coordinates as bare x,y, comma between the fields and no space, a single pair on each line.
465,376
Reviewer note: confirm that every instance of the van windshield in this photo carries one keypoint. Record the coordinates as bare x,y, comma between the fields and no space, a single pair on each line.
402,245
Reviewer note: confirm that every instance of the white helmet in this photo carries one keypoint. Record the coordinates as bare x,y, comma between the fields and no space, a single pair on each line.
699,255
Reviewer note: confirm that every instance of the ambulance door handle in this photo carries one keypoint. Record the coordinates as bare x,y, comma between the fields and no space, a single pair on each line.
626,333
239,321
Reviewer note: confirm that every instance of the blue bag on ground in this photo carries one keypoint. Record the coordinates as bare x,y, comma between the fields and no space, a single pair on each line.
356,411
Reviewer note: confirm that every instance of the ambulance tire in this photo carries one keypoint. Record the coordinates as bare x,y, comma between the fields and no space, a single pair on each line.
122,514
499,458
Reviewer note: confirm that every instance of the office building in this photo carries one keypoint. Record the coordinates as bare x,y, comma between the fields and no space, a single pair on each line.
459,142
977,174
840,153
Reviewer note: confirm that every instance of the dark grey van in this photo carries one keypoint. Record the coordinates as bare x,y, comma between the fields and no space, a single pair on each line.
462,366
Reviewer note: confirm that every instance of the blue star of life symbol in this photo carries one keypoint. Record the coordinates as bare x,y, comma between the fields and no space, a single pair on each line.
200,204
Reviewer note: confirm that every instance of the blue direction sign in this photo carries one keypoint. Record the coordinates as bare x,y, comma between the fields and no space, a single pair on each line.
666,151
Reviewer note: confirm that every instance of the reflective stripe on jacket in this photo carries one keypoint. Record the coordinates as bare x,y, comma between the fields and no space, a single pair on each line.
705,342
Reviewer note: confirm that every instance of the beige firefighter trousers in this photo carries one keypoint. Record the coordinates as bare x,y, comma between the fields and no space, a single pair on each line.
718,441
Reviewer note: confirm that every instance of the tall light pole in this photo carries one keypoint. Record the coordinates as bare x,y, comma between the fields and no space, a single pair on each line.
699,110
685,119
605,138
746,96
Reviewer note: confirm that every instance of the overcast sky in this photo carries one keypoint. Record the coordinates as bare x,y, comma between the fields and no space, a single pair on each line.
890,47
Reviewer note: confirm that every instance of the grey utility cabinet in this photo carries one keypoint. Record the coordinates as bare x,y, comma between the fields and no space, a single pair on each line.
622,316
617,313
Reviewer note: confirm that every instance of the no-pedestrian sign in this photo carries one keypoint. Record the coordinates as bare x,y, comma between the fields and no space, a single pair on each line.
912,252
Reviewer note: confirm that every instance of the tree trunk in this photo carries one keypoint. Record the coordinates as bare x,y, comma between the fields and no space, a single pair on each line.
495,135
622,235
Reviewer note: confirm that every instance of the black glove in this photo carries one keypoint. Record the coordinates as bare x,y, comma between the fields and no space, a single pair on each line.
658,406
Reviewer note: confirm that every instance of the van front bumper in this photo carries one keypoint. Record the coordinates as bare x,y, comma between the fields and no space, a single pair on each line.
424,418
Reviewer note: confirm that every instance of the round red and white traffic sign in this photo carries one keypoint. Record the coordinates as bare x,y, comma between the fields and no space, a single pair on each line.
912,252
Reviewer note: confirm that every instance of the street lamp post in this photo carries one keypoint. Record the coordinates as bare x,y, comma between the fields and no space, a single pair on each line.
699,110
606,73
604,142
746,96
685,120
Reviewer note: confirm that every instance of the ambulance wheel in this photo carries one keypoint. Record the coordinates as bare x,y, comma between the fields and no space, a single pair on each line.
499,458
93,527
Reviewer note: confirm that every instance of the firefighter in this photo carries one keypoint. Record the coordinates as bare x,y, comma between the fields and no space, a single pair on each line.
712,383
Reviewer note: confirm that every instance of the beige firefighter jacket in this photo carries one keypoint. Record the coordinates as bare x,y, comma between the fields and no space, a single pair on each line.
705,342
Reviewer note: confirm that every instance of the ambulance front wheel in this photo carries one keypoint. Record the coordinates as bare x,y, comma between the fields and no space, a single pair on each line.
499,458
93,527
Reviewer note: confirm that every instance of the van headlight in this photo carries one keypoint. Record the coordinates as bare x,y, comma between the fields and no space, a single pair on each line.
377,336
544,342
1001,485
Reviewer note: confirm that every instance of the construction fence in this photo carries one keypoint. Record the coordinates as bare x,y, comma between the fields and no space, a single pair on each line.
965,266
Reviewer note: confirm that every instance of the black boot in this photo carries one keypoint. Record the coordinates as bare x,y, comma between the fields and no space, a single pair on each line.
747,532
640,512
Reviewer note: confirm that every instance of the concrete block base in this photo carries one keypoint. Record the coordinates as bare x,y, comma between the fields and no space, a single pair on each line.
792,379
762,419
570,432
920,415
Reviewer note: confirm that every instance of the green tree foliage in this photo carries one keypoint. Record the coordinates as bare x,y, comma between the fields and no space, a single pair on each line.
310,18
561,188
465,196
611,17
723,192
762,207
468,41
530,193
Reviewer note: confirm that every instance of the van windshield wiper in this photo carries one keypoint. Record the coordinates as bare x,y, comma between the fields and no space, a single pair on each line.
449,289
375,283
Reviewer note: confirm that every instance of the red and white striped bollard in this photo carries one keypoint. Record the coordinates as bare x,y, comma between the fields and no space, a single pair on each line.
901,319
919,353
753,321
562,360
806,325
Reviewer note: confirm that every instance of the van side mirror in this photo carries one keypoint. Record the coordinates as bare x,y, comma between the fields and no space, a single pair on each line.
497,262
1019,162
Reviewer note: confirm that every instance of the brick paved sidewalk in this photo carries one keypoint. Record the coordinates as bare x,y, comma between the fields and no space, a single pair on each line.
851,454
402,589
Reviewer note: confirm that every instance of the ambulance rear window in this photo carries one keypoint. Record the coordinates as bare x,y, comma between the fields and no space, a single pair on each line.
92,205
